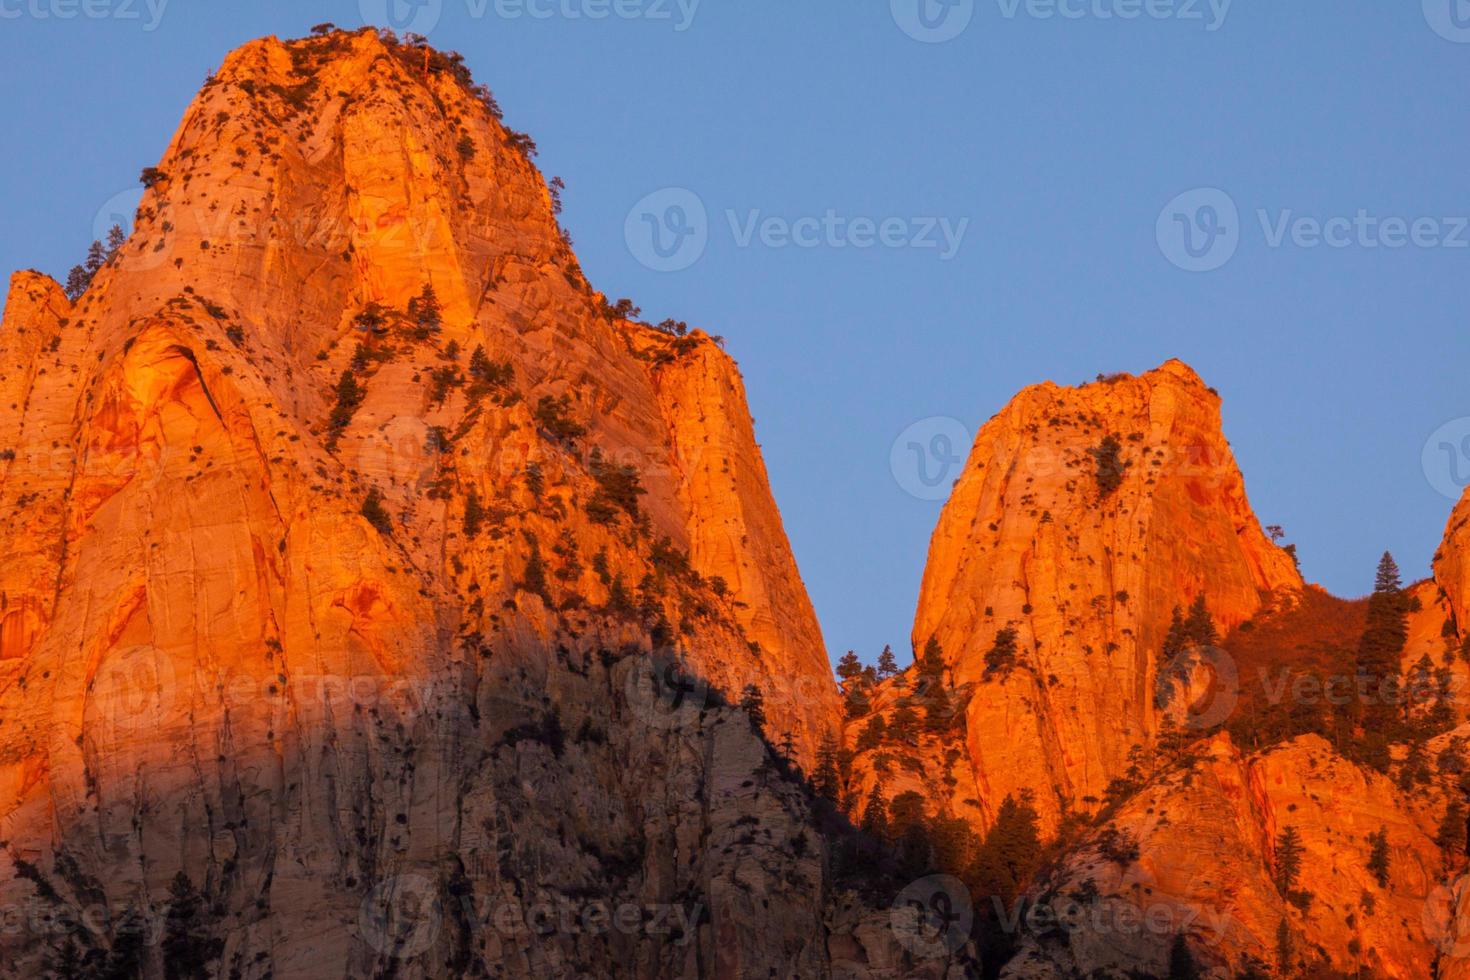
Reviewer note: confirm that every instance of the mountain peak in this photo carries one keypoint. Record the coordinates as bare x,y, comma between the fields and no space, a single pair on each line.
1082,518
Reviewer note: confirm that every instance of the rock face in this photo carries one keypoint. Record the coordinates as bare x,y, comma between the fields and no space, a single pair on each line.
1207,835
1081,547
392,619
1087,573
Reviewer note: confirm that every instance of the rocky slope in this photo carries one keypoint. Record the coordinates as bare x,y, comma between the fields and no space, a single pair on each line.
1079,548
1086,575
393,617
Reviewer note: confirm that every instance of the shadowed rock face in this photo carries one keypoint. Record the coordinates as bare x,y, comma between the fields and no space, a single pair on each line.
1087,575
383,682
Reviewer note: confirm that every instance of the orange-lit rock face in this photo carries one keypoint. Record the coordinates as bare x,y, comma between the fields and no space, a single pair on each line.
1207,835
1452,563
211,660
1027,541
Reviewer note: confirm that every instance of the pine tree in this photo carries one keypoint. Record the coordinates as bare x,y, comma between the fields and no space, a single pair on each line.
849,668
1177,639
1108,457
1285,950
77,282
909,826
825,779
96,258
116,237
474,515
873,734
1181,963
1288,860
129,939
1011,853
938,709
875,815
376,513
904,726
349,396
1451,836
931,664
425,312
1382,646
1378,856
1001,658
753,703
1199,627
887,663
186,945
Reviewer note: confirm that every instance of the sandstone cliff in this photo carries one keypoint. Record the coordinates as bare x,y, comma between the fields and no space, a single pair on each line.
1087,573
367,567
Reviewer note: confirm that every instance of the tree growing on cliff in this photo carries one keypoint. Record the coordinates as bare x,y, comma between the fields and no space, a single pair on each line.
1010,855
187,946
376,513
1288,866
825,778
887,663
1181,961
1000,659
1285,950
1199,628
349,395
474,515
931,662
872,734
753,703
1381,648
1378,856
1451,835
1109,466
1176,641
425,313
77,282
116,238
875,815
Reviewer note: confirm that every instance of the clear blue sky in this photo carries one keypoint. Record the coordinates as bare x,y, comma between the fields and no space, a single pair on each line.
1060,139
